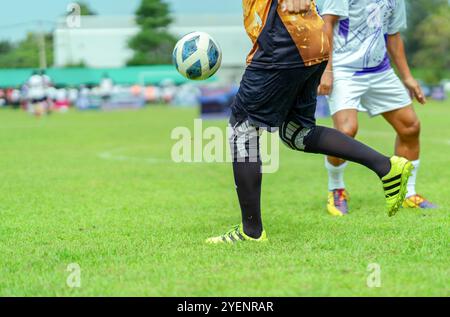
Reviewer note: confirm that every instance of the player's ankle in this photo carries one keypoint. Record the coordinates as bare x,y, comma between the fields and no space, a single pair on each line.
253,232
384,169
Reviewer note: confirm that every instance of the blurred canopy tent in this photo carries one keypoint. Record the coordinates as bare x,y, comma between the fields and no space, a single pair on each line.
144,75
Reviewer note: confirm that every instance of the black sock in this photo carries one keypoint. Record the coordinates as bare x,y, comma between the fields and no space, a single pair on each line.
334,143
247,175
248,179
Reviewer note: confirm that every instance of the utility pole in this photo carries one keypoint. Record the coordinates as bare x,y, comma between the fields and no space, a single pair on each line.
41,45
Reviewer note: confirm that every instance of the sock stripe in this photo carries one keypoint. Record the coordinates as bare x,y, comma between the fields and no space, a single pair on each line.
284,136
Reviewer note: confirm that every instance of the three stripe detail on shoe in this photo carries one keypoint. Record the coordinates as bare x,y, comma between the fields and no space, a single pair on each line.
388,186
233,236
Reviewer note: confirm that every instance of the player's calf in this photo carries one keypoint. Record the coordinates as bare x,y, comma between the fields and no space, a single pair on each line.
244,143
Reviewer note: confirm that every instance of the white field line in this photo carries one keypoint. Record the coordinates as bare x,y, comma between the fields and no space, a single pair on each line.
113,155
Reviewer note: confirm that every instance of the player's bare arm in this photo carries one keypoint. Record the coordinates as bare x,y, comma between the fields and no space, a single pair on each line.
326,83
397,53
297,6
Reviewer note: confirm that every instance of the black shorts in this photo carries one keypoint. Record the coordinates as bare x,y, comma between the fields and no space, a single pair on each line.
268,98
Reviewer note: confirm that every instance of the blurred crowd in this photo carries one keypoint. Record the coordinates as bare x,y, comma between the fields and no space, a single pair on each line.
38,95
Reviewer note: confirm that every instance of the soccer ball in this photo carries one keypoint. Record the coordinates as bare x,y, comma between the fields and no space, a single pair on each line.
197,56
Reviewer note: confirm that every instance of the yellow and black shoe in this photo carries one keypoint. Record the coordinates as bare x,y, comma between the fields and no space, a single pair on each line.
395,183
234,235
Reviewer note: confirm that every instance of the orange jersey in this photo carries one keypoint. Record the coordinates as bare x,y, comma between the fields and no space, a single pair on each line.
281,39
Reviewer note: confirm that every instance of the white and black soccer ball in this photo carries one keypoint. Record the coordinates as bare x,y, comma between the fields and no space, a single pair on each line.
197,56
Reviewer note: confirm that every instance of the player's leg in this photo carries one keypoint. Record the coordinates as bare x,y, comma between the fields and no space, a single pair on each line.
345,121
244,143
300,133
388,97
245,150
344,103
264,97
407,125
327,141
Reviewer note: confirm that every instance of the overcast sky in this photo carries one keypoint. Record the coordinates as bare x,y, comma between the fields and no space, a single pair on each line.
19,16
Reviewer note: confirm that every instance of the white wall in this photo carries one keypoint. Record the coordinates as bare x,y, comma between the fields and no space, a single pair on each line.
94,47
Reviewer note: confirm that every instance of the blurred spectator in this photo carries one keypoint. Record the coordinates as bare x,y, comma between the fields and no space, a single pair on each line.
106,88
15,98
169,89
73,95
62,102
446,84
136,90
438,93
46,79
187,95
52,93
152,94
37,94
82,102
2,98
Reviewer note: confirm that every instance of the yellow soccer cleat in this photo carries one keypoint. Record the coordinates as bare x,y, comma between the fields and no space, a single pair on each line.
394,183
234,235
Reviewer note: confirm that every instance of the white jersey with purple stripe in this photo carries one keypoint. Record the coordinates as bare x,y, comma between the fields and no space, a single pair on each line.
360,35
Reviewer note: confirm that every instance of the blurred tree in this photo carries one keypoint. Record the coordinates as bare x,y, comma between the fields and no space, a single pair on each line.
25,54
433,36
5,47
153,44
85,9
418,11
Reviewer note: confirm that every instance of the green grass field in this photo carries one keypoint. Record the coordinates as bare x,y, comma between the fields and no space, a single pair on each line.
99,190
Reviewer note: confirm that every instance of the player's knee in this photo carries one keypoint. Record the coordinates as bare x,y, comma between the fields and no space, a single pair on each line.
410,130
286,142
293,135
244,142
348,128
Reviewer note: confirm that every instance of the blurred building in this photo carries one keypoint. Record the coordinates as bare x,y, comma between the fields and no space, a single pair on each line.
101,41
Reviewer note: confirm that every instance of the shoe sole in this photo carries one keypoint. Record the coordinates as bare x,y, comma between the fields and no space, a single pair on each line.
236,242
406,174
